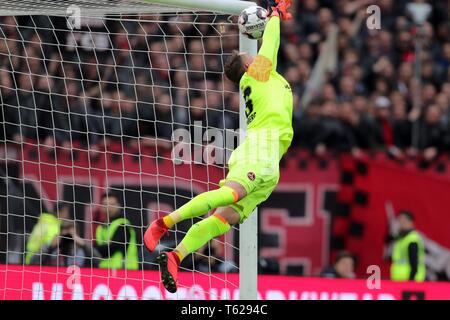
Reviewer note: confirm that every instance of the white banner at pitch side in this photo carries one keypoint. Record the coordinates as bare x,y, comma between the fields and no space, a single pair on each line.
49,283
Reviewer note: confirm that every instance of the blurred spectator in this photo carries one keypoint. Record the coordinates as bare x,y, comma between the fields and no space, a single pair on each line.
332,134
210,259
434,135
200,117
307,125
25,114
343,267
358,130
270,266
74,119
408,252
116,238
157,122
400,125
384,132
120,117
67,248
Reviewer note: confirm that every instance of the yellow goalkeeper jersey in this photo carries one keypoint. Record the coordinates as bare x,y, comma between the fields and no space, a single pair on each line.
268,96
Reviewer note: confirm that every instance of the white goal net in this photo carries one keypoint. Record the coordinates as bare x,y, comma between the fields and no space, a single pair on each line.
112,110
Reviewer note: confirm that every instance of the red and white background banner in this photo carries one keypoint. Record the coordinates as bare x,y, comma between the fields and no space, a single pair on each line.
319,207
51,283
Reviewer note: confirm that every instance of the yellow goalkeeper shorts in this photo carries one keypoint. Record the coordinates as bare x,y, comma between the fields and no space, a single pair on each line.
256,168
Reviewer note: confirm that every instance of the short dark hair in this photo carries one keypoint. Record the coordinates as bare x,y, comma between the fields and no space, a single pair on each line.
234,67
406,213
110,194
317,101
194,94
61,205
64,205
344,254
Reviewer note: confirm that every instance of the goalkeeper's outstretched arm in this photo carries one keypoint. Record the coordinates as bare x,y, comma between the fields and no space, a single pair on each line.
271,37
266,60
271,41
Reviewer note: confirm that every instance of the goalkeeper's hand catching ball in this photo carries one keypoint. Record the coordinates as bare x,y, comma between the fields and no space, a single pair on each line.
279,8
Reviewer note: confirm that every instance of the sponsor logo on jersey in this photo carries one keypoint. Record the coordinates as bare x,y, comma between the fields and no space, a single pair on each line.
251,118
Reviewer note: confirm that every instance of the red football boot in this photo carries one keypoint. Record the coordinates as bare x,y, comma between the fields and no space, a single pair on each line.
154,232
169,263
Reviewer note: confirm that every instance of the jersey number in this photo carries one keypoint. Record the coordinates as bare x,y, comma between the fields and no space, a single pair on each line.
248,101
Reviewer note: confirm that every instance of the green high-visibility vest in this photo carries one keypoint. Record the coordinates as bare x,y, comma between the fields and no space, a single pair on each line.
117,260
400,267
45,230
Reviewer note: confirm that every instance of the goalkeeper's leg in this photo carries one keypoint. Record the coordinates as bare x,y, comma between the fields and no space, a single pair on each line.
228,194
197,236
219,223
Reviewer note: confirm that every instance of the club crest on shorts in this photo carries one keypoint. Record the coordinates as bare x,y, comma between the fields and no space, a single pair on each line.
251,176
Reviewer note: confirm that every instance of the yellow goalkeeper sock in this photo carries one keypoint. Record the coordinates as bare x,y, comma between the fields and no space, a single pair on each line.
201,204
200,233
168,221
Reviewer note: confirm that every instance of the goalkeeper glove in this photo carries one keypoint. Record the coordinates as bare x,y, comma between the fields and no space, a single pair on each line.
279,8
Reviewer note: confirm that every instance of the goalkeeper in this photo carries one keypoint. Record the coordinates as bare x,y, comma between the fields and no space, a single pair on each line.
253,166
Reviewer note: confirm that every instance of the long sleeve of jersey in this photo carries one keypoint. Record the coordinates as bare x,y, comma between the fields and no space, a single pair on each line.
271,41
267,57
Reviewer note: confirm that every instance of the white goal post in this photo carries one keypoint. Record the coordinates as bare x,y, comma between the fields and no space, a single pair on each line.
248,231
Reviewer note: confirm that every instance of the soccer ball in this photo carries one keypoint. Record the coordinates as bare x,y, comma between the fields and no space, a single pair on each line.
252,22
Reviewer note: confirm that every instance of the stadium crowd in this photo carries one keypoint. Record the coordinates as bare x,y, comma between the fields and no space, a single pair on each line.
369,101
145,79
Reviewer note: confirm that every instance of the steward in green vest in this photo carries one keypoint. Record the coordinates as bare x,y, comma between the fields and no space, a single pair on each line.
408,252
46,229
116,240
